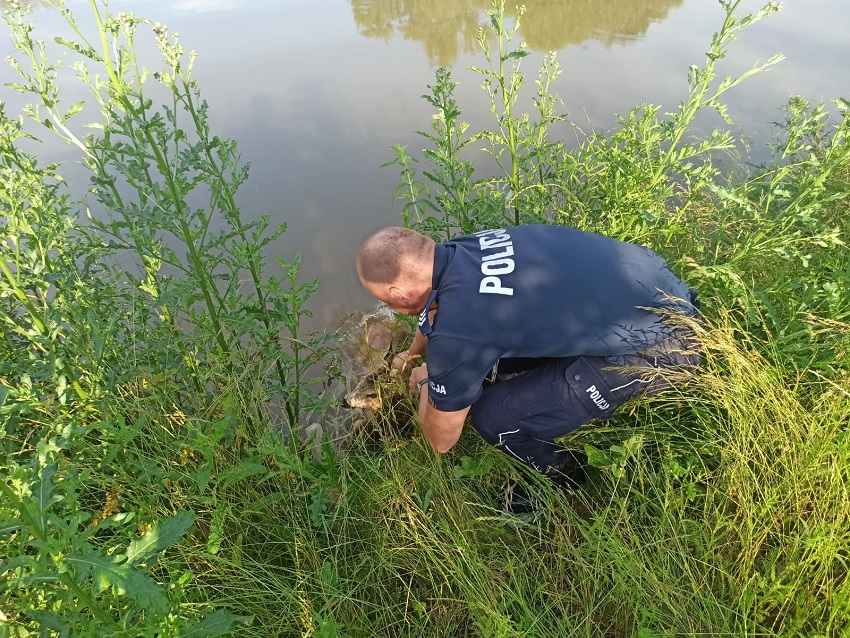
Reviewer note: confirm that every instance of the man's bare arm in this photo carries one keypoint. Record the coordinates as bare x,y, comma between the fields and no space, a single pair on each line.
417,349
441,429
419,345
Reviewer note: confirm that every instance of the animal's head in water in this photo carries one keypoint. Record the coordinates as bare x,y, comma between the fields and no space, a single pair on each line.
380,404
370,340
365,396
368,343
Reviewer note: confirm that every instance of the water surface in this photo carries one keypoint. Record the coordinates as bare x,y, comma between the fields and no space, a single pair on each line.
316,93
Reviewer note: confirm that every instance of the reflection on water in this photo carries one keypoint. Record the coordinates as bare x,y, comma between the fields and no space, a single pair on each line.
315,105
448,27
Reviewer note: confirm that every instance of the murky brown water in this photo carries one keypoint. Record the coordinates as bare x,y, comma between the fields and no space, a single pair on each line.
316,92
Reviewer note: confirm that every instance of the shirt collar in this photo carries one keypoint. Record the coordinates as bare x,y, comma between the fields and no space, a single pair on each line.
442,256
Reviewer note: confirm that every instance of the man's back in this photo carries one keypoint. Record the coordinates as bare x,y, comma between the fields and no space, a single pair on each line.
541,291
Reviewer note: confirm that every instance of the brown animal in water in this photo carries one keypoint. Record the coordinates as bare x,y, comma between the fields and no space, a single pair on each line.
368,344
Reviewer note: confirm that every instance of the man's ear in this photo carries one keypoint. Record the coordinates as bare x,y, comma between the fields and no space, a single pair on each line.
397,294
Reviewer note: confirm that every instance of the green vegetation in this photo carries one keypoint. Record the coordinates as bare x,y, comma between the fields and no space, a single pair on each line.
146,490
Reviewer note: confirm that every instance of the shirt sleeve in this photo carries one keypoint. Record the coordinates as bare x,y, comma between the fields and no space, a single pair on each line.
456,369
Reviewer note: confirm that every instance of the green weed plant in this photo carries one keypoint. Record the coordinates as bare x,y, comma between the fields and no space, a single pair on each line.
147,491
115,328
706,497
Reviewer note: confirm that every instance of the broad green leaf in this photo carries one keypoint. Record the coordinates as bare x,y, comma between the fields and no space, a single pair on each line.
429,204
633,445
217,529
108,571
470,466
202,476
329,576
7,527
264,503
318,506
596,457
76,46
51,621
43,491
14,563
4,394
161,535
216,623
236,550
245,469
516,55
76,108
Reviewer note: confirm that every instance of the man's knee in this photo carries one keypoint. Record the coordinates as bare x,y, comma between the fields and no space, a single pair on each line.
489,416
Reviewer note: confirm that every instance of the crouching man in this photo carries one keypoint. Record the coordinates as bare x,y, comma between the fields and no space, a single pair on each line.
535,329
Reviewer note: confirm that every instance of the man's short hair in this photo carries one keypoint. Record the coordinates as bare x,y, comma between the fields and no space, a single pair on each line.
388,253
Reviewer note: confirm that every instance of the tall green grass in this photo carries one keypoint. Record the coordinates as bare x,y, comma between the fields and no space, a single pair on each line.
96,316
147,490
719,509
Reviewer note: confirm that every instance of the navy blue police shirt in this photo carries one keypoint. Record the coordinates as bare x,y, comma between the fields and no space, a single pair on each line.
540,291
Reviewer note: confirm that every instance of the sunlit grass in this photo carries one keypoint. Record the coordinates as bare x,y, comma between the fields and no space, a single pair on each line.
718,508
748,540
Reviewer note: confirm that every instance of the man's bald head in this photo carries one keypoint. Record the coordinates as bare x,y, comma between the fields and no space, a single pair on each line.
394,253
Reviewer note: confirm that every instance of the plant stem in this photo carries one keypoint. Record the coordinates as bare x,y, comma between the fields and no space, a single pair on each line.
230,201
36,530
186,233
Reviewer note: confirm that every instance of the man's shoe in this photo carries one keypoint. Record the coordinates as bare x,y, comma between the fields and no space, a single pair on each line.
520,509
569,473
518,501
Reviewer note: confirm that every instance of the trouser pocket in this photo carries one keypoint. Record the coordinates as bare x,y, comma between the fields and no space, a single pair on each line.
601,389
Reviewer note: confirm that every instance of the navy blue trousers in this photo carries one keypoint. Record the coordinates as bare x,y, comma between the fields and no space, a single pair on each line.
524,414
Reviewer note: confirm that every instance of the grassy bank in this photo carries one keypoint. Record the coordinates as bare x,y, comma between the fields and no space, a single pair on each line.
147,489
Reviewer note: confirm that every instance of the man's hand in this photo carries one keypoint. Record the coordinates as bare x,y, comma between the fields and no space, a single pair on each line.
441,429
417,375
403,360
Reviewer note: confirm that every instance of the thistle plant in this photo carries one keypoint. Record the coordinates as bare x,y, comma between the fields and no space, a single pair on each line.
518,144
458,200
149,165
156,313
60,323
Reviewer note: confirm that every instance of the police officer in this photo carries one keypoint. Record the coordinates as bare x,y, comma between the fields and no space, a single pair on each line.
535,329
